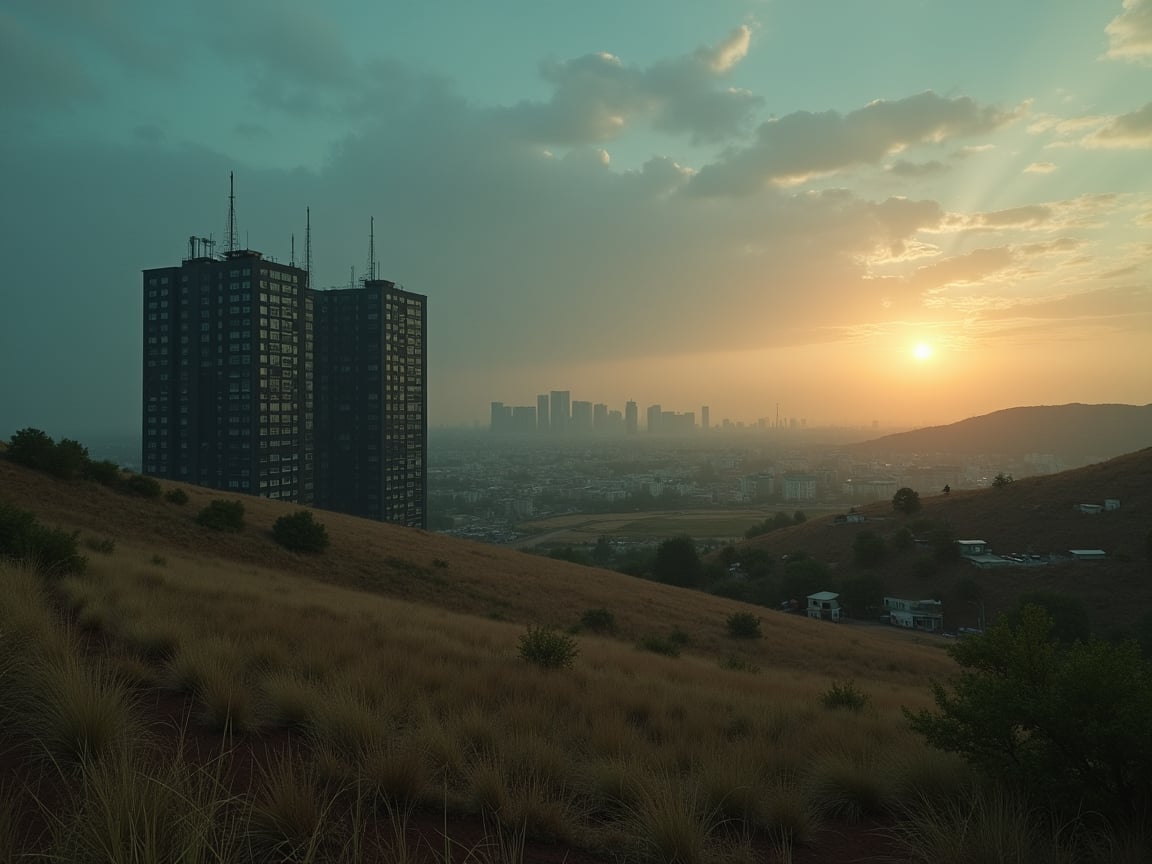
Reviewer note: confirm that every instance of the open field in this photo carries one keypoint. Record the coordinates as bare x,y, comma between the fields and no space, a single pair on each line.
587,527
216,692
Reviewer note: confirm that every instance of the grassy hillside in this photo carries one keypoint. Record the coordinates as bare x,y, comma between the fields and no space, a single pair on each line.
202,696
1035,514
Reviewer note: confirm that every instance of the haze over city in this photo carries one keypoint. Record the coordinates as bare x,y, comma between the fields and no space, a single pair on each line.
895,211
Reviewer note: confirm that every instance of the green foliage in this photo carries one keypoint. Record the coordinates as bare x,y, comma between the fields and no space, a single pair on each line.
34,448
598,621
659,645
677,563
1001,480
176,495
736,663
861,593
547,648
743,625
968,590
906,500
49,549
844,695
903,540
802,577
1066,722
568,553
222,515
943,543
772,523
799,517
300,532
602,554
139,485
925,568
105,472
868,549
1069,615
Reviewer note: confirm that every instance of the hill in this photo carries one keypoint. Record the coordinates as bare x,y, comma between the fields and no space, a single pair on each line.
187,664
1036,515
1078,434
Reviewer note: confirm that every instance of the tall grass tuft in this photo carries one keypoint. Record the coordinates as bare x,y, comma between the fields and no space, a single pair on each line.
292,811
669,821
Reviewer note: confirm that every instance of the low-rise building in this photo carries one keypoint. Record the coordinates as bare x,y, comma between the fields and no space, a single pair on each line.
925,615
824,606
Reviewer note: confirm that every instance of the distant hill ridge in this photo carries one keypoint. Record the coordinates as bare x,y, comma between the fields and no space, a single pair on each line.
1077,433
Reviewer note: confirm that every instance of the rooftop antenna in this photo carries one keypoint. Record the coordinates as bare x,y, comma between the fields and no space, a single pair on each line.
308,244
371,249
231,241
352,277
292,252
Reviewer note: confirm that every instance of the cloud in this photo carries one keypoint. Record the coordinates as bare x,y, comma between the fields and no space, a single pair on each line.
596,97
35,73
1040,168
977,266
1130,32
1130,131
1028,216
905,168
801,145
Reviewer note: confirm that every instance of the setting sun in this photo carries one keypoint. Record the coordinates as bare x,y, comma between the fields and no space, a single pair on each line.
922,351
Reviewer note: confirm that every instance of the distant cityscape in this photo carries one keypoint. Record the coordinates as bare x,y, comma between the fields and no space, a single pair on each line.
557,413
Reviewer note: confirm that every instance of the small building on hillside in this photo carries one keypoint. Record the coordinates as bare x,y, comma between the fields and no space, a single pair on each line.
1111,503
824,605
1090,509
972,547
927,615
1088,554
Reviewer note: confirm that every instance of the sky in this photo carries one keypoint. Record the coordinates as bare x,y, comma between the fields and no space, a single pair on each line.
903,211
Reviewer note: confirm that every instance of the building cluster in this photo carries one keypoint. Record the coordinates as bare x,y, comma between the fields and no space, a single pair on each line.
558,414
256,383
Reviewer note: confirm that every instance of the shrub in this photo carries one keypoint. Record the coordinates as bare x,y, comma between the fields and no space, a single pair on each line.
32,447
176,496
598,621
868,549
736,663
105,472
906,500
50,549
222,515
844,695
678,563
300,532
743,625
144,487
107,545
1001,480
659,645
548,648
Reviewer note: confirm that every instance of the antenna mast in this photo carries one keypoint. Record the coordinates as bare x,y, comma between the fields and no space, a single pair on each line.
308,244
231,240
292,253
371,249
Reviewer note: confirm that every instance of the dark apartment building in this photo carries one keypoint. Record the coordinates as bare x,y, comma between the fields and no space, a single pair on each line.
372,402
255,383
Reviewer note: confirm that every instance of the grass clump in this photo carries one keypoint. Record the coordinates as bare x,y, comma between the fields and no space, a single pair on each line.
844,695
104,545
598,621
222,515
141,486
736,663
177,496
743,625
665,645
547,648
300,532
48,549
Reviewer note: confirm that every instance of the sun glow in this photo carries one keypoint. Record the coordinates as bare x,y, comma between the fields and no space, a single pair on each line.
922,351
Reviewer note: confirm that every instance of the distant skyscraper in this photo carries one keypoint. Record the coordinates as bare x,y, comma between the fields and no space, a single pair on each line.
581,422
500,418
600,417
542,412
560,412
654,418
631,418
704,417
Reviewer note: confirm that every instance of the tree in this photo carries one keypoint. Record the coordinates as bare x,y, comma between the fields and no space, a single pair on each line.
677,563
1001,480
222,515
1069,615
868,549
906,500
32,447
300,532
1066,722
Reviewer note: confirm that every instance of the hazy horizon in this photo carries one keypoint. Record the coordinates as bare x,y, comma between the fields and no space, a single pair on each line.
891,212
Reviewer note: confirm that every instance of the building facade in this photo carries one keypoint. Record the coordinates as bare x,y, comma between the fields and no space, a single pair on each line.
255,383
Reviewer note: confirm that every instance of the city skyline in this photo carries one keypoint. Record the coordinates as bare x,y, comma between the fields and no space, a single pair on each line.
911,213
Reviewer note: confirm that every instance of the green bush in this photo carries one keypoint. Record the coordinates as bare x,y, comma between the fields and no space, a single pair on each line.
222,515
105,472
32,447
598,621
743,625
144,487
547,648
300,532
844,695
906,500
49,549
736,663
176,496
659,645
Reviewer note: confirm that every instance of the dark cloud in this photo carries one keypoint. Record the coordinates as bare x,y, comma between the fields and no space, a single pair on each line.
905,168
597,97
37,74
1133,130
803,144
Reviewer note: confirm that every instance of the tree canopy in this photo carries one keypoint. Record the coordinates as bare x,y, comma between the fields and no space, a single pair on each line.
906,500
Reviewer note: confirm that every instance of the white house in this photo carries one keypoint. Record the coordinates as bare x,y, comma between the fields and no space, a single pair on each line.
1088,554
1090,509
824,605
972,547
915,614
